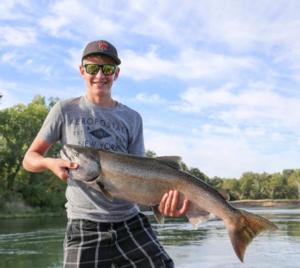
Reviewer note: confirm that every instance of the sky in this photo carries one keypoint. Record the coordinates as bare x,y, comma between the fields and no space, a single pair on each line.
216,81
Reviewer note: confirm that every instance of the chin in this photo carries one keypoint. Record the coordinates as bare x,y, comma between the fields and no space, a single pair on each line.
101,92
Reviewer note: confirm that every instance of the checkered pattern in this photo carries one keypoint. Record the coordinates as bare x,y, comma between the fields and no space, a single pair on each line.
124,244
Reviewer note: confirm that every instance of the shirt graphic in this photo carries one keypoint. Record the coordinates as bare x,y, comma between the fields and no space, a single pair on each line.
98,133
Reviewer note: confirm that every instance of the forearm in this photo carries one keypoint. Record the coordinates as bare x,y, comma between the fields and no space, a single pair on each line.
35,162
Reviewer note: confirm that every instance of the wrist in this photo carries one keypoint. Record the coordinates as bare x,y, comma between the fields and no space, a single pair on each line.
47,163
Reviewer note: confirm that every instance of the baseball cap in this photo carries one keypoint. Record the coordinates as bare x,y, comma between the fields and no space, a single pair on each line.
101,47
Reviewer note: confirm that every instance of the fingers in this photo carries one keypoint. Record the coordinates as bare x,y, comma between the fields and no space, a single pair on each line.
65,169
63,175
174,203
183,209
61,167
162,203
169,205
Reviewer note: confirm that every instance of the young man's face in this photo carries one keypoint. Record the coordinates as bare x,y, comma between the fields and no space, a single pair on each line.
98,84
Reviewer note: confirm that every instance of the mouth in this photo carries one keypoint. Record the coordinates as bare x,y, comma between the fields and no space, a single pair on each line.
102,82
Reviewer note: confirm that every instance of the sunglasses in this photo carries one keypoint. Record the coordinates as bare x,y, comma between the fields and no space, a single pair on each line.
106,69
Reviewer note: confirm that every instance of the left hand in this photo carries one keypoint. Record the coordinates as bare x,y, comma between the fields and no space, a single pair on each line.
169,204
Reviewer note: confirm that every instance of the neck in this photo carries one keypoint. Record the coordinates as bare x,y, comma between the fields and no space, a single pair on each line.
107,101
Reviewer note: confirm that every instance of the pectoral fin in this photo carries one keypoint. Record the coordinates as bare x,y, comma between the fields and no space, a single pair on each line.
157,215
104,192
98,186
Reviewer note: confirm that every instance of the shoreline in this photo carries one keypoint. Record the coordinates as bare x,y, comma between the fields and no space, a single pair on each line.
267,202
275,203
36,214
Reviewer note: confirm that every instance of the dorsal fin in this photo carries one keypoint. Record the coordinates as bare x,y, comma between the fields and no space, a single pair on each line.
224,194
171,161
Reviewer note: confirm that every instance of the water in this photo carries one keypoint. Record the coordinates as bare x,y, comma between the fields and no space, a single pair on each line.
37,243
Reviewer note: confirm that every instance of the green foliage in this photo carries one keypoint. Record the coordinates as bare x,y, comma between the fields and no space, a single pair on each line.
285,185
19,125
197,173
150,153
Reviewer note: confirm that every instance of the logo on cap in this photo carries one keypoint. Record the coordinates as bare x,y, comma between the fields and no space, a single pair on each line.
103,45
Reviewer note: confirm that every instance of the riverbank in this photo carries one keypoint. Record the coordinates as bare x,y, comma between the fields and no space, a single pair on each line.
35,214
20,210
267,203
27,212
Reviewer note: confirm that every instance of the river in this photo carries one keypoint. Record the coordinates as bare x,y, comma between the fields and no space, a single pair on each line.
37,242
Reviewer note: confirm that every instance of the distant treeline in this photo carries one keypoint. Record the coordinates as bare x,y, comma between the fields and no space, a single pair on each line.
284,185
20,124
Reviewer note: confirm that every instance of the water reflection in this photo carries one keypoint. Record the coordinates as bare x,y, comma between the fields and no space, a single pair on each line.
179,234
31,242
38,243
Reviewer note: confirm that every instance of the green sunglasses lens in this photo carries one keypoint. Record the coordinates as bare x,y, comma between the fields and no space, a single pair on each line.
107,69
92,68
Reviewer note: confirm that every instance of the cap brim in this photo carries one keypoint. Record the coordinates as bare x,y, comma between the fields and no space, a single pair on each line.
117,60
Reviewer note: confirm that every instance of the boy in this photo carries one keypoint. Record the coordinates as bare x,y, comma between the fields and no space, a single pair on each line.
100,233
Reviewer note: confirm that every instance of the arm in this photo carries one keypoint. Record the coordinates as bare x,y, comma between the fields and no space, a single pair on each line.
35,161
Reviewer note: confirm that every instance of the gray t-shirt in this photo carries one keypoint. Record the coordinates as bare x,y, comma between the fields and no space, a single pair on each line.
80,122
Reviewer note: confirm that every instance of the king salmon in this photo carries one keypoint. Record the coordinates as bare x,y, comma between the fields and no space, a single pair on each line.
145,180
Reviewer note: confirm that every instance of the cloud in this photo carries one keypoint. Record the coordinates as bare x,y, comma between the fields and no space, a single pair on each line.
13,9
74,19
256,104
17,36
144,66
20,61
221,156
8,97
149,98
188,64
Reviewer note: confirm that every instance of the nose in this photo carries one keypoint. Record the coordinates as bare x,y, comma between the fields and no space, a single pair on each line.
100,74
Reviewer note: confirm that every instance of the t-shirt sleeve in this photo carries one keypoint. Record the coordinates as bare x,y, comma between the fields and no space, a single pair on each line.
51,130
136,143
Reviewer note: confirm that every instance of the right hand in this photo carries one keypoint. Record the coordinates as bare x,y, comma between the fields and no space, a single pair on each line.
61,167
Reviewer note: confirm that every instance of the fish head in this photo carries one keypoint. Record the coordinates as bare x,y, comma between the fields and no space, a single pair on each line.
88,161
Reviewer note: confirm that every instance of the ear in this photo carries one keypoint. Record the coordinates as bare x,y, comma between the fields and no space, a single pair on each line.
81,70
117,74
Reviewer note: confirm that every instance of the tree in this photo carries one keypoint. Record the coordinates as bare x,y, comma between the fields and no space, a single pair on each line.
150,153
247,182
19,125
278,185
232,186
294,184
197,173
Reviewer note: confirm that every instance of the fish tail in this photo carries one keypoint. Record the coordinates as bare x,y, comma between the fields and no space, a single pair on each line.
245,229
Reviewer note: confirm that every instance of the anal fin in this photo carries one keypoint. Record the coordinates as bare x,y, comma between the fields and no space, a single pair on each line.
196,215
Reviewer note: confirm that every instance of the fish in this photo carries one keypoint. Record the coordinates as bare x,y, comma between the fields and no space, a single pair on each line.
144,181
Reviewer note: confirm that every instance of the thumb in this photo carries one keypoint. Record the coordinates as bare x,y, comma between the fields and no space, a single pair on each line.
72,165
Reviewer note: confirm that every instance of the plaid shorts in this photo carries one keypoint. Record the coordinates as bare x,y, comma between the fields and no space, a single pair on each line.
131,243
